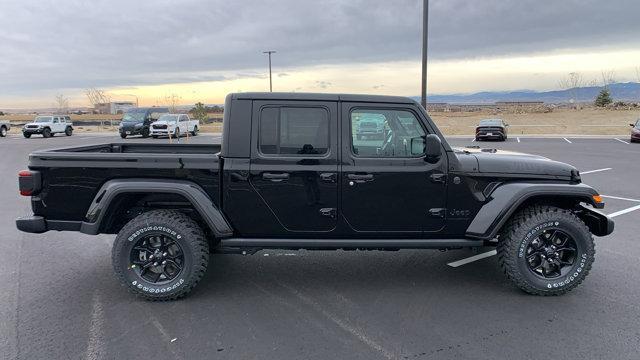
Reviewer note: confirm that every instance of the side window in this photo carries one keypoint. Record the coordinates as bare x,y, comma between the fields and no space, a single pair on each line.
294,131
55,120
386,133
183,118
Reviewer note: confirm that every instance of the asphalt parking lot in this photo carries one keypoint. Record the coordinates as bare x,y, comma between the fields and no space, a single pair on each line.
60,300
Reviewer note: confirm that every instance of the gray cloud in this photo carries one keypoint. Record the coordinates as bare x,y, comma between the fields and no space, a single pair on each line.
76,44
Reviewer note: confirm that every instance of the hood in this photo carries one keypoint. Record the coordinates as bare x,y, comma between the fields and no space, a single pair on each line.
507,162
164,122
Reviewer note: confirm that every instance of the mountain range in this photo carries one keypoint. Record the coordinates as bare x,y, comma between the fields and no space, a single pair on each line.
629,91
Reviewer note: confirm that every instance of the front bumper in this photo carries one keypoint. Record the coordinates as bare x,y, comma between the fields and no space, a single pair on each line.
599,223
32,131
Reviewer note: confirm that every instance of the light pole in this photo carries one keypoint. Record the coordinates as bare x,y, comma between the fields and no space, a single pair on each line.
133,96
269,52
425,30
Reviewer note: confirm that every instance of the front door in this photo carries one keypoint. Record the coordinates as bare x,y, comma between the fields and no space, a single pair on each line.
387,186
294,163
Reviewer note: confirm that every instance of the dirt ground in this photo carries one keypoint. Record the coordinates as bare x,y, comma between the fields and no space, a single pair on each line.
588,121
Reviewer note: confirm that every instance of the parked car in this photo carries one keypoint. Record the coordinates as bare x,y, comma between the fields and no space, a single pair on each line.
491,129
370,127
137,121
635,131
48,125
286,177
5,126
174,125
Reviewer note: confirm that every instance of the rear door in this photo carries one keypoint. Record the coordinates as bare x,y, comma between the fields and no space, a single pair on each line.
294,163
387,186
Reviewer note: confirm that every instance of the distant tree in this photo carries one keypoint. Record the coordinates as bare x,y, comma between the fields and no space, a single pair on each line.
1,113
62,103
172,100
573,82
608,78
199,112
604,98
97,96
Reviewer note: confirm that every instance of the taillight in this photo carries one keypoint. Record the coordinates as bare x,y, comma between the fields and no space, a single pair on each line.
28,182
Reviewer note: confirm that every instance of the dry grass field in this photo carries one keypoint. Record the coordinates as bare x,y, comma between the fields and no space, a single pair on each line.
589,121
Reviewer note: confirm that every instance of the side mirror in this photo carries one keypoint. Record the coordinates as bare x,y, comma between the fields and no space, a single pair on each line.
433,148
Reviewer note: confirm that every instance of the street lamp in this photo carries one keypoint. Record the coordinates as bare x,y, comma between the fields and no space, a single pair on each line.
269,52
133,96
425,29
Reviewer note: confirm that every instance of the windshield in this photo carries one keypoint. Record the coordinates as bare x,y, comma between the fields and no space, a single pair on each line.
43,119
134,115
168,118
638,124
490,122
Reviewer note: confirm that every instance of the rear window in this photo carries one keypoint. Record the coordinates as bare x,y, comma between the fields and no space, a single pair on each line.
294,131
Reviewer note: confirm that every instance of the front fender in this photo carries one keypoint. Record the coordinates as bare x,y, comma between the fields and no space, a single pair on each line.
506,199
190,191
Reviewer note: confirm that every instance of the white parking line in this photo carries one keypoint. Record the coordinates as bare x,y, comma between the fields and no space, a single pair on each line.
567,140
622,141
619,198
474,139
518,139
625,211
472,258
594,171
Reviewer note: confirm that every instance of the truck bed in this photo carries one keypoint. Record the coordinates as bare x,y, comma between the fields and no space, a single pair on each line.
72,176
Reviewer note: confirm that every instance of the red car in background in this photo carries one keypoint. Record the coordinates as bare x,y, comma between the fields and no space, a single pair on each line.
635,131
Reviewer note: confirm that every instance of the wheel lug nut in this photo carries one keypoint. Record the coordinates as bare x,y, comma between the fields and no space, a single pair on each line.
164,262
155,264
151,256
164,254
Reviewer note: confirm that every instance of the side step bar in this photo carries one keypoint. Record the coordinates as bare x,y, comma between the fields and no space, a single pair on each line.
329,244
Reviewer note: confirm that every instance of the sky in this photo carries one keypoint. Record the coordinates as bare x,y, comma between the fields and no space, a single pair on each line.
200,50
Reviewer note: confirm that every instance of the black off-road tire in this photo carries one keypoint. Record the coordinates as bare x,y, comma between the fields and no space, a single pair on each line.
46,133
185,231
68,131
176,133
145,133
195,131
523,228
3,131
26,135
123,135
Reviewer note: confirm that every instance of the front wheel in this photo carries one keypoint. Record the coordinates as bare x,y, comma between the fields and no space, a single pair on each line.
545,250
145,133
46,133
26,135
176,133
3,131
123,135
160,255
68,131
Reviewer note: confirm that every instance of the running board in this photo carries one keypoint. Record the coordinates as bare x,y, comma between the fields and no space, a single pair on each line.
331,244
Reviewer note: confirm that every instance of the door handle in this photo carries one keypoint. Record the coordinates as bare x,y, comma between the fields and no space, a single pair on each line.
328,177
360,178
275,177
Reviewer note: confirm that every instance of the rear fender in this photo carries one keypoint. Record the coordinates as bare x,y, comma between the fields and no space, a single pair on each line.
201,202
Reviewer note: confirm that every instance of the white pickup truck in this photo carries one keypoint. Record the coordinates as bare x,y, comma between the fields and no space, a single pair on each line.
4,128
174,125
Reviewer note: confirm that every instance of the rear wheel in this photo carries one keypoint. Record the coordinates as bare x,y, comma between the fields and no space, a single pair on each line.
195,131
68,131
46,133
3,131
545,250
160,255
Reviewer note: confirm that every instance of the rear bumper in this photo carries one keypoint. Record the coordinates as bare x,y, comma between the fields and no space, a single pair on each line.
494,134
38,225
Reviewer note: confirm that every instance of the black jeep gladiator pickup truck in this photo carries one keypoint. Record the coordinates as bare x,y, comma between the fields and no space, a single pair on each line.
292,174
